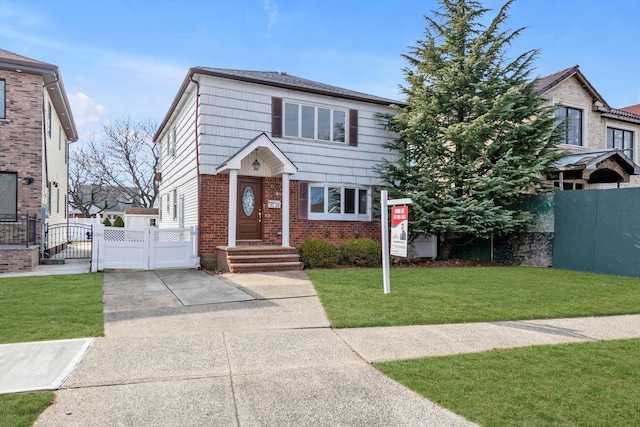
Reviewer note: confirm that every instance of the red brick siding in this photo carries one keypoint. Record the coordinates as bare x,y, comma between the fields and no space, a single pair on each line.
214,211
215,207
272,217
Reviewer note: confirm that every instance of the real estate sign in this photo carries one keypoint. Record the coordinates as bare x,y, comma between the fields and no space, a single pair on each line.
399,218
399,230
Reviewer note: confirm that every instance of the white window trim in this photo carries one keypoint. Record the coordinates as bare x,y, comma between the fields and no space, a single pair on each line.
325,216
315,105
626,127
585,120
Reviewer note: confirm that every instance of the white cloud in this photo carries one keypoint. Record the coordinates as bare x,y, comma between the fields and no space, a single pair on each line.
147,69
22,15
86,112
272,12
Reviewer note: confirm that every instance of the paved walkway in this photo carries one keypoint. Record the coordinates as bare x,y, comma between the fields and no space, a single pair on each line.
186,348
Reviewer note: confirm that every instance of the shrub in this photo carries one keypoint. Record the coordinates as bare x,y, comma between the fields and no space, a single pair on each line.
360,252
106,222
318,254
118,222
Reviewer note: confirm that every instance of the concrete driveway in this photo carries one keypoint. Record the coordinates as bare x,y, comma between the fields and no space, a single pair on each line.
186,348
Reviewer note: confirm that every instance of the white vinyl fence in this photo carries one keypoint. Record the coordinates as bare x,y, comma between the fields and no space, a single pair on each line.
145,248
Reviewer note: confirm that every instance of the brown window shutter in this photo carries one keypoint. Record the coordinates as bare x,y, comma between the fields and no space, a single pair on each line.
353,128
303,200
276,117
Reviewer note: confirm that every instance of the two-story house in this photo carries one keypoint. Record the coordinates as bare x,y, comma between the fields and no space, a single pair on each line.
601,142
264,160
36,126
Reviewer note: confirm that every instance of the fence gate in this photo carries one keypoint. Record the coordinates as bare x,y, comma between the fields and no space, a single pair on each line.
67,241
145,248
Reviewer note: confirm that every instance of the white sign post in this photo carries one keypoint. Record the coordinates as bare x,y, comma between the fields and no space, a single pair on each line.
384,211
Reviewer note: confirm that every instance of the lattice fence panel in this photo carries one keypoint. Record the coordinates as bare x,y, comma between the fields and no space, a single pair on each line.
171,235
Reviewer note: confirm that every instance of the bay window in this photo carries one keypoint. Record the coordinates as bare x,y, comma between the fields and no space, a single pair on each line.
337,202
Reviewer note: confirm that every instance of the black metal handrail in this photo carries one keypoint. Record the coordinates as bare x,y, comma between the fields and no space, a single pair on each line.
18,229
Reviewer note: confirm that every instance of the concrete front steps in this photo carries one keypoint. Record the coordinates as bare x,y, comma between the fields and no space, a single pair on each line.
244,259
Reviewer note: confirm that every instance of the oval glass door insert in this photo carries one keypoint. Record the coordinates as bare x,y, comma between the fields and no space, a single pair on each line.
248,201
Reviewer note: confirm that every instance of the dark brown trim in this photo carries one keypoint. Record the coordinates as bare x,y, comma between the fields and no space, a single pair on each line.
303,200
353,128
276,117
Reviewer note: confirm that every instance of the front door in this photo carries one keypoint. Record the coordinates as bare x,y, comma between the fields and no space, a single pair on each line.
249,208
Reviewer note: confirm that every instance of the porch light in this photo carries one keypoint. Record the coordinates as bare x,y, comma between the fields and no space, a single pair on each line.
256,164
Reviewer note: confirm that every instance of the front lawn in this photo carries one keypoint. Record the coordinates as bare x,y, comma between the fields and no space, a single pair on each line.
22,410
38,308
420,296
586,384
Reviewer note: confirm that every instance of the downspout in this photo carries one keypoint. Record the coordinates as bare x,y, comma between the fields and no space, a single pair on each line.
199,200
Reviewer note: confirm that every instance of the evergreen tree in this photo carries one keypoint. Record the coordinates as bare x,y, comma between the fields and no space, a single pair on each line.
106,222
475,135
118,222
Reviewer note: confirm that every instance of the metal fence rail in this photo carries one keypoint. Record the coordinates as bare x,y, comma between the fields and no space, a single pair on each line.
18,230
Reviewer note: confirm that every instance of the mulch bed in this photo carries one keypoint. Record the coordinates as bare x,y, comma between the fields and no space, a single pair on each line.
436,263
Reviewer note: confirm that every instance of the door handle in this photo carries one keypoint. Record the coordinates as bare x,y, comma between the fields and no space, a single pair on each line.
260,215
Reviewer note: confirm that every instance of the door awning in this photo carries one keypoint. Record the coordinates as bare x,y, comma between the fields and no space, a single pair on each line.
595,167
259,152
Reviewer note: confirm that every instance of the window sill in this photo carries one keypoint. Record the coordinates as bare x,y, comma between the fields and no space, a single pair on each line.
319,142
336,217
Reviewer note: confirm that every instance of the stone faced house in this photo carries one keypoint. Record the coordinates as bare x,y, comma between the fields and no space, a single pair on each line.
36,126
263,160
601,142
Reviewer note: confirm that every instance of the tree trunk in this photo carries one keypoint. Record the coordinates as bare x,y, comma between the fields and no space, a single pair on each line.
446,246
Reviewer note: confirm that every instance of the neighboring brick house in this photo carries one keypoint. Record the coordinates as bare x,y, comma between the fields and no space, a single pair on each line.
595,135
269,159
36,126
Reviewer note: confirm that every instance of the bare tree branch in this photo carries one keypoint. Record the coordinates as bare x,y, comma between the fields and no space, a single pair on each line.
120,166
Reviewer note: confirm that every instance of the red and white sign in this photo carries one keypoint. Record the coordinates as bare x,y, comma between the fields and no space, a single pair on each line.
399,230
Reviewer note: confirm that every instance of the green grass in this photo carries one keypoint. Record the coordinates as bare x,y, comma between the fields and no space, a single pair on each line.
587,384
420,296
50,308
21,410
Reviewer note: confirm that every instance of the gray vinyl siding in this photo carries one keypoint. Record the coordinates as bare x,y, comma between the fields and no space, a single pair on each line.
233,113
180,171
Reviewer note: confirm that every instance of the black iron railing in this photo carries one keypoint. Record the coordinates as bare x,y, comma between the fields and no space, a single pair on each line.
18,229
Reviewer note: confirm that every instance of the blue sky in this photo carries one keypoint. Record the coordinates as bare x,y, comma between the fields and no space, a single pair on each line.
128,58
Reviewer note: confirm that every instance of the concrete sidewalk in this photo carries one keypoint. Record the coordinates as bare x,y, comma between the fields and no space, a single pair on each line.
412,342
266,358
186,348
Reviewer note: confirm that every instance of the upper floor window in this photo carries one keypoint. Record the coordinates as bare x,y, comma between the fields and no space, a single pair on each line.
314,122
620,139
3,99
572,123
8,196
338,202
